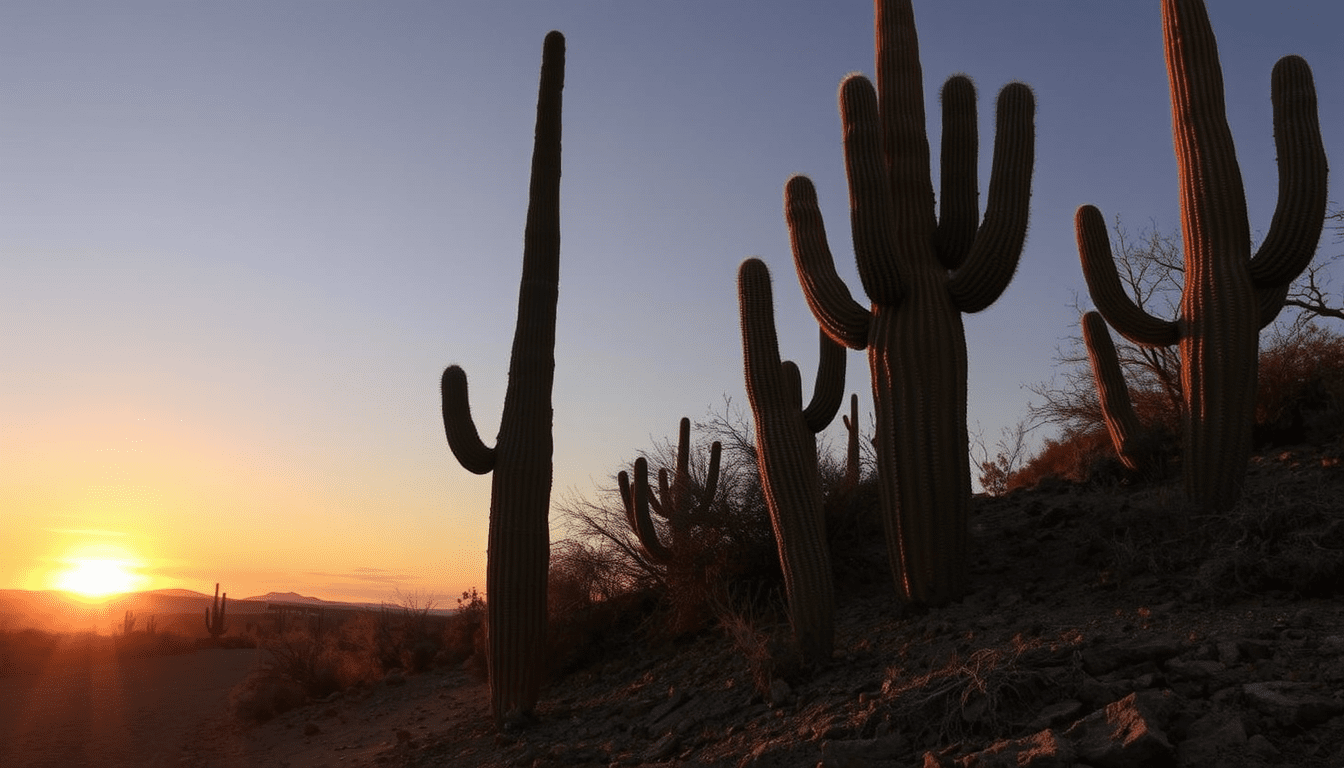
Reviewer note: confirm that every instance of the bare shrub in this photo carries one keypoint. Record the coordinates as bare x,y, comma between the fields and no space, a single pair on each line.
264,695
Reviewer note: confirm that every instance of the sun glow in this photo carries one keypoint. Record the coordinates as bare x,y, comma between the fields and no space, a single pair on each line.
95,573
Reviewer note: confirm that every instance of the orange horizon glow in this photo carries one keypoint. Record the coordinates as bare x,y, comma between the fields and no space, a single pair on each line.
94,573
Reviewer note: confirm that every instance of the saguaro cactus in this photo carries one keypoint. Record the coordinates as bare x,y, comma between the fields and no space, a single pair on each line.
214,616
1228,295
786,452
920,274
674,502
519,539
851,479
1117,410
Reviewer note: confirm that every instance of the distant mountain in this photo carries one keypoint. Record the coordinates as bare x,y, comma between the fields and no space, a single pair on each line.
174,593
289,597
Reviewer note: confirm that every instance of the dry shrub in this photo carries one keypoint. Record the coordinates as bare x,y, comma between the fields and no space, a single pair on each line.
264,695
464,631
591,605
985,692
1301,387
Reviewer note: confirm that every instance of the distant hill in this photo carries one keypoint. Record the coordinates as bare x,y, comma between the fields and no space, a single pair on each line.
290,597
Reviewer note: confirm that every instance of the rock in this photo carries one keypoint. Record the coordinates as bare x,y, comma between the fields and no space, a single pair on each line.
662,749
780,693
394,677
1259,746
1180,669
1228,652
1126,733
1103,658
675,698
1040,750
1054,714
1219,734
1291,703
311,729
861,753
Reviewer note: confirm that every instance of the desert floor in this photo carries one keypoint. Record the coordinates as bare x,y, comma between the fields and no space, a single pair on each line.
133,712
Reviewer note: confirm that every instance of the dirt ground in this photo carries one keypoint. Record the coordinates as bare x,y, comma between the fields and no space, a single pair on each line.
132,712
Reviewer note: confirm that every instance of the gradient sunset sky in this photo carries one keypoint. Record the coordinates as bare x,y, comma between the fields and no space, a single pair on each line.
240,241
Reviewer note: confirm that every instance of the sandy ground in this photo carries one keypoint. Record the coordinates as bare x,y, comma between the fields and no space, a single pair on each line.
134,712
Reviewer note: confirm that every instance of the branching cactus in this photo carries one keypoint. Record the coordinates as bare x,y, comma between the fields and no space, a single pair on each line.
920,272
1228,295
674,502
786,453
519,539
214,616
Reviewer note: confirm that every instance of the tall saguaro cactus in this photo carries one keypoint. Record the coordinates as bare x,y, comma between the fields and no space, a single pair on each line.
674,502
214,616
786,453
1228,295
520,491
920,273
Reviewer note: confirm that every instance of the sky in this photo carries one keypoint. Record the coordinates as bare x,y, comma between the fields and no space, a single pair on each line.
240,241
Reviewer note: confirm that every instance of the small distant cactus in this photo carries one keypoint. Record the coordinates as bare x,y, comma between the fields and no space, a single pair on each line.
673,502
786,451
128,623
214,616
522,459
920,271
851,478
1228,295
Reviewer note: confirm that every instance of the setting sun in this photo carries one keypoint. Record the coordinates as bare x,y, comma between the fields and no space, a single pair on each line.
99,573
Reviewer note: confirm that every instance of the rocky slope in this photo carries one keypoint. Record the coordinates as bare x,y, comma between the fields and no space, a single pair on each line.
1107,627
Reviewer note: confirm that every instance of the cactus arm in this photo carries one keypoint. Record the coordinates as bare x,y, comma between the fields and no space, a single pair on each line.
1300,213
1103,283
636,497
905,163
460,428
959,190
878,227
838,314
1116,408
1271,301
993,257
787,457
829,390
711,477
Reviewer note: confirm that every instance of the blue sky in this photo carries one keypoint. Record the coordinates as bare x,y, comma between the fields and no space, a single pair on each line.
240,242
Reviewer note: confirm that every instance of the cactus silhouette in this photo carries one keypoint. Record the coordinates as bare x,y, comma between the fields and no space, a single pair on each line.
1228,295
920,273
1117,410
521,460
851,479
786,452
214,616
673,503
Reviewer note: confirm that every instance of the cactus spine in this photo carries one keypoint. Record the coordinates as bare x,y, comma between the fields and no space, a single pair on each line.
1228,294
920,273
786,452
214,616
676,505
519,539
